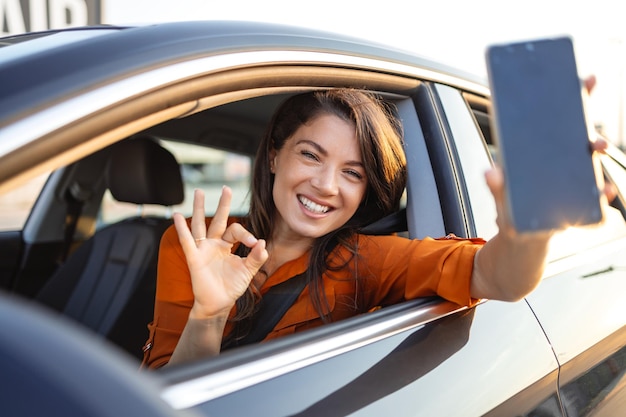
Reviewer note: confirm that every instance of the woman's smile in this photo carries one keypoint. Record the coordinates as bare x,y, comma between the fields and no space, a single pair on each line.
313,206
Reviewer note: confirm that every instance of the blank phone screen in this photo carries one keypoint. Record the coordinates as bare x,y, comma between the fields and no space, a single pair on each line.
542,135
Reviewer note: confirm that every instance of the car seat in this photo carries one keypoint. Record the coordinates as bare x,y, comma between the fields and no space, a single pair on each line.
108,284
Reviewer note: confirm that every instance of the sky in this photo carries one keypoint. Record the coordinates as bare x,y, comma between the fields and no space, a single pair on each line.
456,32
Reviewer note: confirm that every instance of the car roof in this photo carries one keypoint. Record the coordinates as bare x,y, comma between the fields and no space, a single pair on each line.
87,57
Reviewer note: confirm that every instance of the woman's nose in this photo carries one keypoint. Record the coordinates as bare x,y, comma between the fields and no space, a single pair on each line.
326,181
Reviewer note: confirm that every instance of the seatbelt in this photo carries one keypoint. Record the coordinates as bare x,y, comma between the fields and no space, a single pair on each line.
393,223
272,307
74,207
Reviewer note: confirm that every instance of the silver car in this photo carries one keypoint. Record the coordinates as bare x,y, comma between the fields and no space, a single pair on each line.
105,130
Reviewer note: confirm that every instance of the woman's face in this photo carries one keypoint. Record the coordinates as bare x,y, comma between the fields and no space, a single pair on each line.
319,178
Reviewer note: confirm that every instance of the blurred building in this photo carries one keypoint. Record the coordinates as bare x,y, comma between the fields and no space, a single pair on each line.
19,16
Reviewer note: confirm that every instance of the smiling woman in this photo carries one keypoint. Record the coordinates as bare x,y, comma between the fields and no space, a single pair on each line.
330,163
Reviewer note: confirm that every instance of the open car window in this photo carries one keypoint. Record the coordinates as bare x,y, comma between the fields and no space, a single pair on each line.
214,142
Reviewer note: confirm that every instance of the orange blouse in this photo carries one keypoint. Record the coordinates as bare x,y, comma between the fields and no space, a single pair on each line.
390,269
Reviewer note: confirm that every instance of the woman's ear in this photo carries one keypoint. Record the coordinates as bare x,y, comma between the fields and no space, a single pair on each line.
272,156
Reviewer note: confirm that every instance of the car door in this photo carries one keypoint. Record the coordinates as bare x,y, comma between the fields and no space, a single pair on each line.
581,302
582,307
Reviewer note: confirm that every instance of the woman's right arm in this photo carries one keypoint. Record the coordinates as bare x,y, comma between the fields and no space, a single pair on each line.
201,337
218,277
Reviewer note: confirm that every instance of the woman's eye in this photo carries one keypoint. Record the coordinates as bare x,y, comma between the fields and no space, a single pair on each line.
309,155
354,174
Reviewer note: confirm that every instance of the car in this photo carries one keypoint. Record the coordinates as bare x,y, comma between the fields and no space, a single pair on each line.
105,130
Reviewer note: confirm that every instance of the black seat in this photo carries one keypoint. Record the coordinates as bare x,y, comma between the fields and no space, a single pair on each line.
108,284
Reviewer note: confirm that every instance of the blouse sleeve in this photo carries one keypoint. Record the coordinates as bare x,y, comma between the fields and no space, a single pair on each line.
400,269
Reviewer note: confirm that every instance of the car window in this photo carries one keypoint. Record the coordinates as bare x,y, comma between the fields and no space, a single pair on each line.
15,205
201,168
473,157
481,108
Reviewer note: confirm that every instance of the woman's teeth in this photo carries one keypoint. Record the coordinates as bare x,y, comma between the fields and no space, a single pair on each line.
311,206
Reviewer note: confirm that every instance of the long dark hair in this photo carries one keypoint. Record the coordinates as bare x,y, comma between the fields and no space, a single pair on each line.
380,140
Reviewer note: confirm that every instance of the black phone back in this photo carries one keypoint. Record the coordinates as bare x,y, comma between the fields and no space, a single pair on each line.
542,135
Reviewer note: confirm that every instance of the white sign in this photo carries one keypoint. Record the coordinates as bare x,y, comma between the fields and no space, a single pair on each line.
19,16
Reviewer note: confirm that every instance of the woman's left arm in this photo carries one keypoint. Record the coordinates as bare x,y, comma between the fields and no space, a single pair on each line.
511,264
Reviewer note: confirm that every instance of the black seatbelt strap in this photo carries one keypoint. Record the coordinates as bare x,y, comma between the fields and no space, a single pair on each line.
272,307
75,197
74,207
393,223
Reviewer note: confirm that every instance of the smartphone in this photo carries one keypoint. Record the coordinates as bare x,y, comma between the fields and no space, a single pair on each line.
542,135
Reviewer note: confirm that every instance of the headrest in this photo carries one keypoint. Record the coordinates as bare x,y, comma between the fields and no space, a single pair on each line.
141,171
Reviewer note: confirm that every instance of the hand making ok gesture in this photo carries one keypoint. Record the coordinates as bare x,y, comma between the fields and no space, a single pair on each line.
218,276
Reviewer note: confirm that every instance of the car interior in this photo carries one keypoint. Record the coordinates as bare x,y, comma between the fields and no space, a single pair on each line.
108,283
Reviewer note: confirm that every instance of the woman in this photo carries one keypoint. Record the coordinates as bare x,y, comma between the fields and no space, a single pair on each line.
330,163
